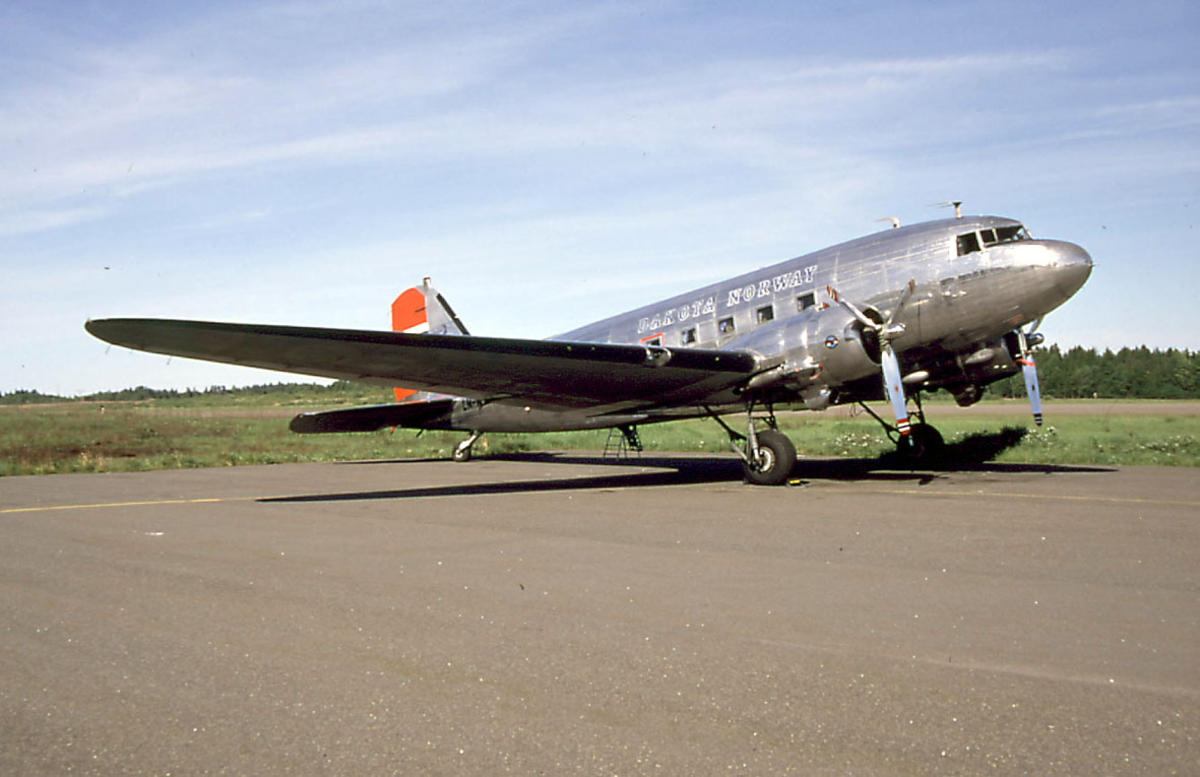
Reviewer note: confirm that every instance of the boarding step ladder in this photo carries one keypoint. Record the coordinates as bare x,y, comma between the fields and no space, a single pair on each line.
621,440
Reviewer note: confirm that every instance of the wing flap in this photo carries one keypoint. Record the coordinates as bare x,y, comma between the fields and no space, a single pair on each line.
550,374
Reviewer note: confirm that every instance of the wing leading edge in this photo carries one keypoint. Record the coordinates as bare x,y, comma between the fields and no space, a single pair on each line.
547,374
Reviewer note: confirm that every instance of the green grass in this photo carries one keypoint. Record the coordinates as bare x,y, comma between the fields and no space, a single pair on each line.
248,429
1074,439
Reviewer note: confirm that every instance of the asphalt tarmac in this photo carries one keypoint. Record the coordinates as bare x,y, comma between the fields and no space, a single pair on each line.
556,614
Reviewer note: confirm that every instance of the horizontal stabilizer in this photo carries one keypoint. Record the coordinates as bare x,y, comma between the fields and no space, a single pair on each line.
416,415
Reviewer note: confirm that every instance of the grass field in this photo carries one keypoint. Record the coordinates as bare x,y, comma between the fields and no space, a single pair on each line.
215,431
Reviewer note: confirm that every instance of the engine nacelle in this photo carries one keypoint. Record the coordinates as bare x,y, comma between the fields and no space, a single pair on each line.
845,349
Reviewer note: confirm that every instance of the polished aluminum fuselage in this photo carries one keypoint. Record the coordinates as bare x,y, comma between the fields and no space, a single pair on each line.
812,350
959,300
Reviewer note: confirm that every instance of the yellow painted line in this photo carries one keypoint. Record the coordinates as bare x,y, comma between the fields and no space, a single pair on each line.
159,502
1058,497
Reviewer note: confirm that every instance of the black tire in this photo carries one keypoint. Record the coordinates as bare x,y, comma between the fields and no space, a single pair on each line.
923,445
777,457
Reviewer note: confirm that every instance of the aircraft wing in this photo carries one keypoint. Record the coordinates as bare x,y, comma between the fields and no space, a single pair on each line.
547,374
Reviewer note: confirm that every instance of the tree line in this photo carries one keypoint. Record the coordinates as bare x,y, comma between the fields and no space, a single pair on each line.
27,397
1130,373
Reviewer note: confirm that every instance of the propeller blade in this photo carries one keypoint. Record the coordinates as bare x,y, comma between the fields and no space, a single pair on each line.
1029,371
1031,388
888,328
908,291
848,305
895,388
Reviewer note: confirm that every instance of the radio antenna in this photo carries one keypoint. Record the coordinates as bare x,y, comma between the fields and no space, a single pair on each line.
956,203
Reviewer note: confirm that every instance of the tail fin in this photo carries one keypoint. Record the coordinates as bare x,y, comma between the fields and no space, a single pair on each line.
441,317
421,310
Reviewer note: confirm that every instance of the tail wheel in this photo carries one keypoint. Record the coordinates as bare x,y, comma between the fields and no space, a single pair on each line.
462,451
772,463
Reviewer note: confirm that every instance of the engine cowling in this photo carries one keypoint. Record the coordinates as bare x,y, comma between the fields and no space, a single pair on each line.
845,349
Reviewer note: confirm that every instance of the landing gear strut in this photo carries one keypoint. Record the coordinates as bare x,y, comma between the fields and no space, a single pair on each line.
768,456
922,445
462,451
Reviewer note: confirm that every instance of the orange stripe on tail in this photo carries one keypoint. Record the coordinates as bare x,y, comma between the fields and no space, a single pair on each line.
408,315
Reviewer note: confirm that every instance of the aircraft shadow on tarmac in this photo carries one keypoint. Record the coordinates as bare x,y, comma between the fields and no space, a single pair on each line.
972,454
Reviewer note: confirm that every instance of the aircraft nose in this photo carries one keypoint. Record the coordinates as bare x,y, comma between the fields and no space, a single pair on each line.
1071,267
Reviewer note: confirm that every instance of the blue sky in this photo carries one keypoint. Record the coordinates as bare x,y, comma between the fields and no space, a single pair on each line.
301,163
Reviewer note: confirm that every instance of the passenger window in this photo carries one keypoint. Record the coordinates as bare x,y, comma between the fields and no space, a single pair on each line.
688,337
725,326
654,341
806,300
765,314
968,243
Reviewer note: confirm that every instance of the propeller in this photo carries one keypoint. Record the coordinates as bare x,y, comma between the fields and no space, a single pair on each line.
887,331
1025,343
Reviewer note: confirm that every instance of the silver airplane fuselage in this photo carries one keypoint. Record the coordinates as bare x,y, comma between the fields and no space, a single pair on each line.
975,281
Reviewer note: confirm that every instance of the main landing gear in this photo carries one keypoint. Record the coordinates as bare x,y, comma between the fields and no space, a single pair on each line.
922,445
768,456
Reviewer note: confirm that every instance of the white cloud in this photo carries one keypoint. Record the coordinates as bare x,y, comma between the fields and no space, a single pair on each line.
128,120
36,220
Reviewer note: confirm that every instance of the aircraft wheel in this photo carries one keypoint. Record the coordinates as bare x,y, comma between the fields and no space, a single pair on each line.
462,452
775,460
923,445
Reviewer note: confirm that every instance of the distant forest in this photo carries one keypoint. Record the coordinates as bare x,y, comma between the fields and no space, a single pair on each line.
143,392
1130,373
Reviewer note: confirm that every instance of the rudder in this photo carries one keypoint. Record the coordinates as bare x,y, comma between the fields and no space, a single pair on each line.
422,310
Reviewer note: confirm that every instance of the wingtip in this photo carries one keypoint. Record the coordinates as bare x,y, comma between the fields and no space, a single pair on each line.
94,326
102,329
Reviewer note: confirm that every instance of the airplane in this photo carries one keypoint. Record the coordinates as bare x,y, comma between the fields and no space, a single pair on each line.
949,304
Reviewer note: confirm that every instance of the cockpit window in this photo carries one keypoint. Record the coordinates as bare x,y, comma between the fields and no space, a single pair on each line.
970,242
1003,235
